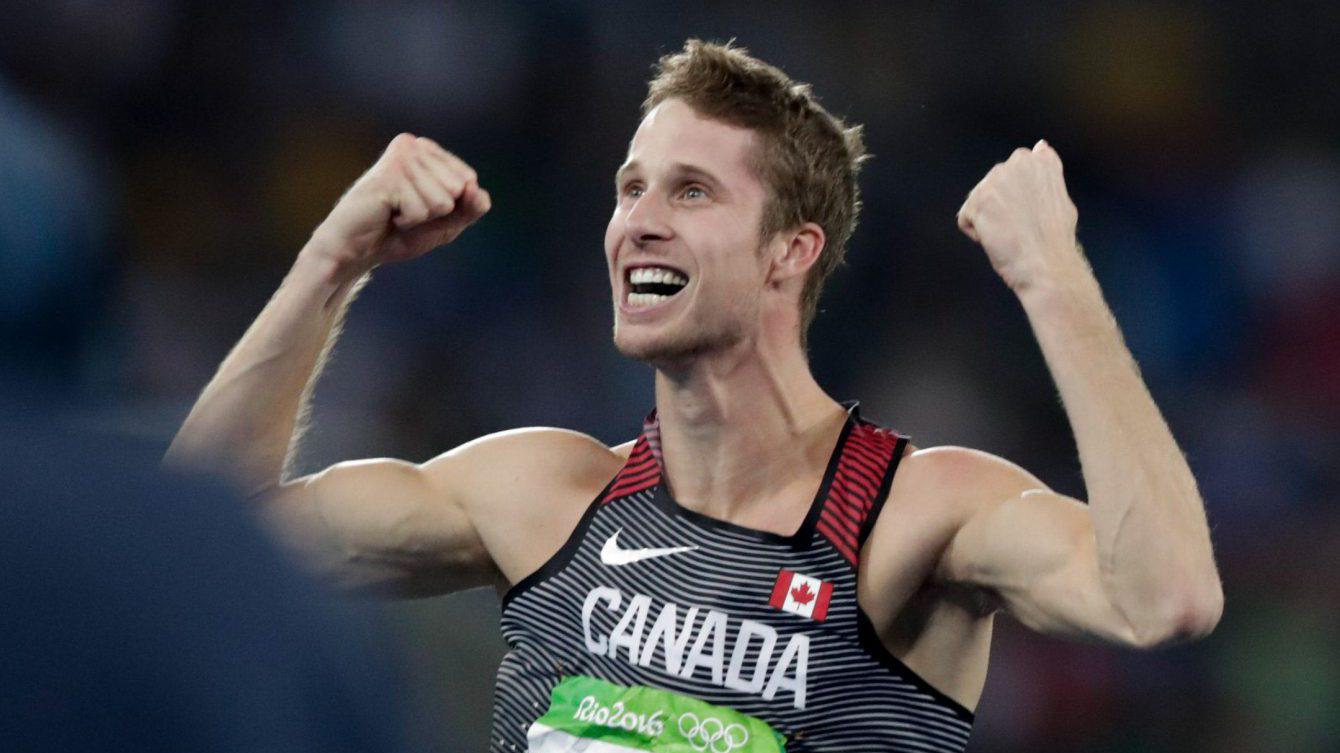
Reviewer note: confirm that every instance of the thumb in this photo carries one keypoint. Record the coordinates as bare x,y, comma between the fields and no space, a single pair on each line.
965,224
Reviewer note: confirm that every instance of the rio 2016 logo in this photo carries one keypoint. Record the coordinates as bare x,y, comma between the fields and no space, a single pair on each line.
617,716
712,735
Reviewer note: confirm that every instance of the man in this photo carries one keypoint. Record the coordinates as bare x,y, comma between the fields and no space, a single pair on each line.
692,588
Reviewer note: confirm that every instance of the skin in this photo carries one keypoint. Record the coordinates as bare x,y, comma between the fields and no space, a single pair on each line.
746,431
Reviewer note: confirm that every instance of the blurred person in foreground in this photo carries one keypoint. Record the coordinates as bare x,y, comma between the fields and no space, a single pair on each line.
140,610
726,580
148,611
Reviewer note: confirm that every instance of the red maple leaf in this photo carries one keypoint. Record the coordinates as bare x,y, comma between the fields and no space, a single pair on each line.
802,594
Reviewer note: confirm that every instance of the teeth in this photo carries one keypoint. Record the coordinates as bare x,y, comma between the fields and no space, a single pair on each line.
646,299
643,275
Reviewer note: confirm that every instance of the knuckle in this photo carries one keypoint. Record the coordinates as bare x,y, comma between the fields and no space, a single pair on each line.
414,210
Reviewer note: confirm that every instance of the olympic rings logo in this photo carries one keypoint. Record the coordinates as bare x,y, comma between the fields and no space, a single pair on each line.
711,734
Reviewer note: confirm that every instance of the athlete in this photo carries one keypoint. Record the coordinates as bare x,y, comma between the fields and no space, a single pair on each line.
761,568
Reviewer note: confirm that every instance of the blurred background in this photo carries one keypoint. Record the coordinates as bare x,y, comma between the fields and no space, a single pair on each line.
162,161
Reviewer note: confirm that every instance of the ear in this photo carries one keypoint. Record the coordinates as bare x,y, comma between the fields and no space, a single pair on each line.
795,251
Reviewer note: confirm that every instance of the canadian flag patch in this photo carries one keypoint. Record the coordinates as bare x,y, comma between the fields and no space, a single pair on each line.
801,594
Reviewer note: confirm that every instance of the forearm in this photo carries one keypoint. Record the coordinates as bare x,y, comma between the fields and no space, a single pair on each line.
244,422
417,196
1153,542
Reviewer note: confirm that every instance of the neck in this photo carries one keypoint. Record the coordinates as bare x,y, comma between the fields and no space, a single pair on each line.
744,427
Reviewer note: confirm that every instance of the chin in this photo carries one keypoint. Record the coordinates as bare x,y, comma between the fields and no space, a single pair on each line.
667,349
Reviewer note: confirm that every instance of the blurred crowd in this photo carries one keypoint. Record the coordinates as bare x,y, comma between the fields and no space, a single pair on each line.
162,161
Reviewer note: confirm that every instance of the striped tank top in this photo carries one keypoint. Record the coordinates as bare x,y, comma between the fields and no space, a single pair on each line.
656,628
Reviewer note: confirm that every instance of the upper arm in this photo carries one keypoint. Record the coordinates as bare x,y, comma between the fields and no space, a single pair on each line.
1031,549
418,529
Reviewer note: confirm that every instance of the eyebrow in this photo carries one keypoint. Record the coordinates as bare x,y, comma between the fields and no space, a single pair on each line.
679,169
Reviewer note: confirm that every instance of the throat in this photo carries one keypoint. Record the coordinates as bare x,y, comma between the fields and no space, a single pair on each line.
753,482
780,511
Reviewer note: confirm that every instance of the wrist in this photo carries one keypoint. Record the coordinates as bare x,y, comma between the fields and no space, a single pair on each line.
1067,274
1063,294
329,262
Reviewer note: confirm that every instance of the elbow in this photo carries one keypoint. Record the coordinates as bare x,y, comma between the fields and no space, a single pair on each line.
1182,619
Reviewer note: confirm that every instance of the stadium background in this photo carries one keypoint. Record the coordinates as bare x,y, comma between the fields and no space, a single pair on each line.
161,162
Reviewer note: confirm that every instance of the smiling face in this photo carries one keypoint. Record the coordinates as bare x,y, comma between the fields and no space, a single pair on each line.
683,245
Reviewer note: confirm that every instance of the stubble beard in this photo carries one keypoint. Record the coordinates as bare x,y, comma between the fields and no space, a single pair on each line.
677,349
681,345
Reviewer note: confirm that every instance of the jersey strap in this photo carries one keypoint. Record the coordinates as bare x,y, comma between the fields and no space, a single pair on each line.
643,468
859,487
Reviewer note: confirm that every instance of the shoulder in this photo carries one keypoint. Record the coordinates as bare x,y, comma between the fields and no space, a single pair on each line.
541,441
935,493
958,480
949,490
520,457
525,490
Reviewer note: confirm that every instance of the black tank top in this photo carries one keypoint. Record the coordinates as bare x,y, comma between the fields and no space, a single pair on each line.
656,628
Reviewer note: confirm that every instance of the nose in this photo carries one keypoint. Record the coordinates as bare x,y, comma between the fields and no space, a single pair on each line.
648,219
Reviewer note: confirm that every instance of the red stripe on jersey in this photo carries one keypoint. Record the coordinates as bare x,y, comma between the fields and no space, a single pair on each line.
841,500
850,512
864,460
863,484
840,522
862,466
636,468
639,480
848,503
642,470
846,509
837,541
872,452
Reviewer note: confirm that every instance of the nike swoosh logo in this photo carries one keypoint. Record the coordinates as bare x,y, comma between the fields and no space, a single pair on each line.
611,554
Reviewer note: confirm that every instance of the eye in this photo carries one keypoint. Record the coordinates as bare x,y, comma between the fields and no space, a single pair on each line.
694,191
632,189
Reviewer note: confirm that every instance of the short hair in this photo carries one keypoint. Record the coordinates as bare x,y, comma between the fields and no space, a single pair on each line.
808,158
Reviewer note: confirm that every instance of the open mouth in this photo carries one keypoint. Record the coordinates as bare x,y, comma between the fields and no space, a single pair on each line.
648,286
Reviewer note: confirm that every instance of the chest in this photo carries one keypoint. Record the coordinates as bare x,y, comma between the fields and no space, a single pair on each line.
685,600
648,596
654,595
895,563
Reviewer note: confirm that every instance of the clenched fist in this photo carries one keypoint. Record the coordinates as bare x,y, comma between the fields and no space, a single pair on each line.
416,197
1024,219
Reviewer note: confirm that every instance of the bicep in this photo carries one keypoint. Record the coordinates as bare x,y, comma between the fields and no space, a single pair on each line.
1034,551
383,525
